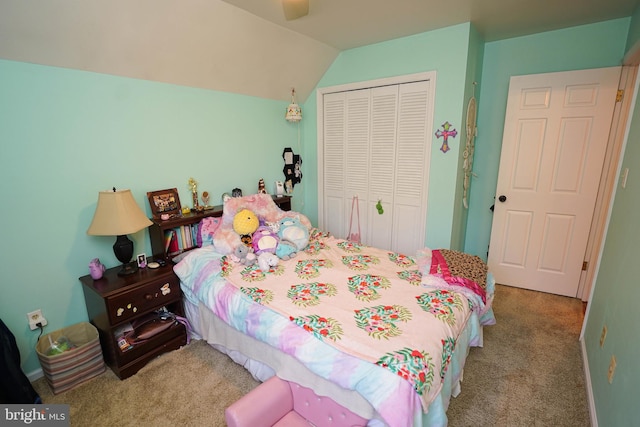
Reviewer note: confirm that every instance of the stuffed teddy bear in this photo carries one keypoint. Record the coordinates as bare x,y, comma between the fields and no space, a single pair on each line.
292,230
244,255
266,260
245,223
264,240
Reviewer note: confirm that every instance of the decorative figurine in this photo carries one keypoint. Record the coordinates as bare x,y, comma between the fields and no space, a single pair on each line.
261,188
96,269
236,192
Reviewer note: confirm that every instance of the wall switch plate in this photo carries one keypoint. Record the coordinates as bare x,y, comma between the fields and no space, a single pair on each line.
36,317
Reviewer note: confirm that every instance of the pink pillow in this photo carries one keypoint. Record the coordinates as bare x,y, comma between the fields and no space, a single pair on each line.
208,227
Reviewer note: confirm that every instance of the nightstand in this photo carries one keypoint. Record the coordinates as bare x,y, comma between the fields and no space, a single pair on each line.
113,301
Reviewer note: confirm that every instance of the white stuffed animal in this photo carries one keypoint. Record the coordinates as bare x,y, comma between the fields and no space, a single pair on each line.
266,260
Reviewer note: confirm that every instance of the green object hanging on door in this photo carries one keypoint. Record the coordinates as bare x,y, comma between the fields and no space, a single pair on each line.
379,207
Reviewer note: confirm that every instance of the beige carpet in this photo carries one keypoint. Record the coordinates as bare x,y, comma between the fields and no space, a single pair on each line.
529,373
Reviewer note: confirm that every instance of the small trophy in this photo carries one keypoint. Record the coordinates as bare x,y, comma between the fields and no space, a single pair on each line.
205,200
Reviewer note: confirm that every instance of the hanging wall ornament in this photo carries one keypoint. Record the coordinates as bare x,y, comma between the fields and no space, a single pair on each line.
468,152
292,168
445,133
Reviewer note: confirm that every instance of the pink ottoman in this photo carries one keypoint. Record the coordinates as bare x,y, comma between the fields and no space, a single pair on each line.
277,402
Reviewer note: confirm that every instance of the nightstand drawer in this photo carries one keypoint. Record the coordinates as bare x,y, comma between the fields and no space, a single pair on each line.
139,300
143,348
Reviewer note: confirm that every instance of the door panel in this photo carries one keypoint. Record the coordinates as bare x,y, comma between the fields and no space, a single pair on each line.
555,137
334,172
516,238
528,154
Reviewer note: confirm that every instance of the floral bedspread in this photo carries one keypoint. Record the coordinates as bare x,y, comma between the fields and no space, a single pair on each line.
384,308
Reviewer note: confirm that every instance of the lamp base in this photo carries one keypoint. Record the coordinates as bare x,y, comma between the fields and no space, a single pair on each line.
123,250
127,269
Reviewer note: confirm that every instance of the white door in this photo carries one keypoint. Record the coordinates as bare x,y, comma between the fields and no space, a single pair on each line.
554,143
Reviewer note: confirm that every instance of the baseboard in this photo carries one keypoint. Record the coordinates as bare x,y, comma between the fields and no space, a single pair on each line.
35,375
587,379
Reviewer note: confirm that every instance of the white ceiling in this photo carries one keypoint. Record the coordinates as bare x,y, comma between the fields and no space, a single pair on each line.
345,24
246,46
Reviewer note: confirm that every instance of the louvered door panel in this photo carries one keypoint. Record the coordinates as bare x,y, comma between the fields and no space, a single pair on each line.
413,147
358,121
334,163
382,154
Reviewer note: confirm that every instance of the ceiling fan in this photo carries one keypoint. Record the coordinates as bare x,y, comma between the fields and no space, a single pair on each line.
294,9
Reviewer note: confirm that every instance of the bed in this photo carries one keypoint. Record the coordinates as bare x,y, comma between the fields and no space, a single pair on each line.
381,333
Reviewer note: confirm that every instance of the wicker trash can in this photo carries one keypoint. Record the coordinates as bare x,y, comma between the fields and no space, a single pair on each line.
70,367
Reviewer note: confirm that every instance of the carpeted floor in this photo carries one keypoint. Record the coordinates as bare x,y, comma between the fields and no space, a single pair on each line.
529,373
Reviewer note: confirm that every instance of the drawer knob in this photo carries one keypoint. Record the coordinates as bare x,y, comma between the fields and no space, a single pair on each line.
148,297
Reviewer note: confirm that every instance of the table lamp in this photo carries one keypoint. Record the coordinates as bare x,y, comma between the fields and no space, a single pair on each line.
118,214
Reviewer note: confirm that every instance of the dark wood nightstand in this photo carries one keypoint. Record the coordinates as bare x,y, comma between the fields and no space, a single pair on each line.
114,301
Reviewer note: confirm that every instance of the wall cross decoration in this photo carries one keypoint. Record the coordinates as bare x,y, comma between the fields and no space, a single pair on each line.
445,133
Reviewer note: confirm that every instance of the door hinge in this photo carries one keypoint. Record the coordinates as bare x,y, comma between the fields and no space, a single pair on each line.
585,264
619,95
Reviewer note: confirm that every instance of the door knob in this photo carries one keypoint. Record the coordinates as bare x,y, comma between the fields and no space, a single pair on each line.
502,198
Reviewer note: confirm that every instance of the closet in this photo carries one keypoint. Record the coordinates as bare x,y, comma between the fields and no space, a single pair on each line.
374,144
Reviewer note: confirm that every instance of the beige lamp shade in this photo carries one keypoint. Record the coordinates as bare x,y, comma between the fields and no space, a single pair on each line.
117,213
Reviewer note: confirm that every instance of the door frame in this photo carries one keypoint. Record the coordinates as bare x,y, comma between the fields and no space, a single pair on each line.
609,176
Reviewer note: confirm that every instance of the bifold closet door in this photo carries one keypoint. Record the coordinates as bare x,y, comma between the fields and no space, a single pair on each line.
347,162
376,146
412,160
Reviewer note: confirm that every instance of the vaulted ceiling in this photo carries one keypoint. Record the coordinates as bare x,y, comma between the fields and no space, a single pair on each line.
246,46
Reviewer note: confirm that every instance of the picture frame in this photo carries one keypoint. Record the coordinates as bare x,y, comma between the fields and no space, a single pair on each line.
165,204
142,260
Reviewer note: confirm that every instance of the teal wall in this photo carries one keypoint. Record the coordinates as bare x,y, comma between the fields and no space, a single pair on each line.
444,51
588,46
615,295
472,88
66,135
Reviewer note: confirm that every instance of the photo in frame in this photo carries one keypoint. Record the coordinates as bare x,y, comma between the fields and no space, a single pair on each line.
142,260
164,204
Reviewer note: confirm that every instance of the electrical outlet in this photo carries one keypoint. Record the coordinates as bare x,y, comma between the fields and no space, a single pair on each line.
603,336
36,317
612,369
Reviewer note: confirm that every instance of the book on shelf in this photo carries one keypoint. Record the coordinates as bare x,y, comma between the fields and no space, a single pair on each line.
181,238
172,237
168,235
186,233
